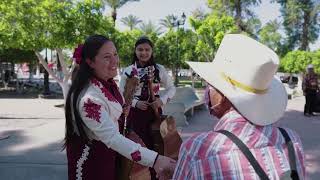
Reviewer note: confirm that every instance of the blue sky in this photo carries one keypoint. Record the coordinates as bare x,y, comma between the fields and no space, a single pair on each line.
155,10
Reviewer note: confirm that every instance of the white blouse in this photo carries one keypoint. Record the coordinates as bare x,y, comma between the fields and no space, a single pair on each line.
100,112
165,81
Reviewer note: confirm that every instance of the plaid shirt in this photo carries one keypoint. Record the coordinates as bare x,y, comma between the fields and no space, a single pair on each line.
212,155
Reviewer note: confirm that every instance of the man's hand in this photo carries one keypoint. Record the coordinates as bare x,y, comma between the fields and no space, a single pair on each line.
143,105
157,103
164,167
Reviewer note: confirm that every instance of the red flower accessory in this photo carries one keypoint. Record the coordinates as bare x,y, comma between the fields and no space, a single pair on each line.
77,54
136,156
92,110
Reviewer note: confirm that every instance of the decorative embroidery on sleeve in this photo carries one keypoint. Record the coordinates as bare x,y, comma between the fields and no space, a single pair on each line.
108,95
92,110
136,156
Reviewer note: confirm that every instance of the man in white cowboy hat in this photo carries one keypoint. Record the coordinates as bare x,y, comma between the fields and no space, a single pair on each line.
310,88
247,99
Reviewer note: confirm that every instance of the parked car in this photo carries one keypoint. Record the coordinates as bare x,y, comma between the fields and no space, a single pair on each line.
286,79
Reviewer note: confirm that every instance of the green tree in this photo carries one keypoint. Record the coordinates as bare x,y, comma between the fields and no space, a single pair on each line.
167,21
301,22
270,36
210,33
174,48
150,28
297,61
38,24
199,14
124,42
131,21
114,5
238,9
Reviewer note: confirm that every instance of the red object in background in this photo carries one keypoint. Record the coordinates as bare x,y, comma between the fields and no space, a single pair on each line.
50,65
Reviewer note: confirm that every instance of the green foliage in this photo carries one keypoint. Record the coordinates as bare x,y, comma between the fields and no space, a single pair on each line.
149,29
38,24
270,36
17,56
210,33
301,22
176,47
131,21
297,61
241,12
124,42
167,21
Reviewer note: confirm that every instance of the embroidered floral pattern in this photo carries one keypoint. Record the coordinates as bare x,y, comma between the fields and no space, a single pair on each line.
80,162
156,88
134,72
92,110
136,156
108,95
95,82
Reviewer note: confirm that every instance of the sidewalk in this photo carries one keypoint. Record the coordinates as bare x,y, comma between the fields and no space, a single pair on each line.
36,130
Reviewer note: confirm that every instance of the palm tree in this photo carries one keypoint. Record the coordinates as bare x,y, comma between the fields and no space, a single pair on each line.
149,28
167,22
114,5
131,21
199,14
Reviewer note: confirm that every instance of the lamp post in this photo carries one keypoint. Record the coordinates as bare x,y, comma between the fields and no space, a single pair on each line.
177,22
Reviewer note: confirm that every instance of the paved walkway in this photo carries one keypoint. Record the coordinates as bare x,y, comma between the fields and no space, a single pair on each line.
32,131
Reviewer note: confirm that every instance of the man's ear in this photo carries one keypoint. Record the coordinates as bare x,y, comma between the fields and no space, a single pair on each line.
90,63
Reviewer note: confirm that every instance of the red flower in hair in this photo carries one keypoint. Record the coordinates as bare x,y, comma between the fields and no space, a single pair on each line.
77,54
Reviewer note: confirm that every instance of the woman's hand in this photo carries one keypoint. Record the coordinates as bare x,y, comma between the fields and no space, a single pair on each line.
126,110
143,105
157,103
164,167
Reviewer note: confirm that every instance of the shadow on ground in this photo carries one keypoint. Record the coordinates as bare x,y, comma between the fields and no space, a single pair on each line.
22,159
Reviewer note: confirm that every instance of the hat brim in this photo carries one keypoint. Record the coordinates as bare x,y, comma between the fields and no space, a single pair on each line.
260,109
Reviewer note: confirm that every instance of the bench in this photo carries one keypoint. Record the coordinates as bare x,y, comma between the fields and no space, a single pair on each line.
183,102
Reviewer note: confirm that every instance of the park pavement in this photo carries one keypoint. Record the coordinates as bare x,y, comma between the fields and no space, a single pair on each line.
32,131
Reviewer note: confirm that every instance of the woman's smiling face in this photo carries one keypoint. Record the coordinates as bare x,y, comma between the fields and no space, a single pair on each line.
106,61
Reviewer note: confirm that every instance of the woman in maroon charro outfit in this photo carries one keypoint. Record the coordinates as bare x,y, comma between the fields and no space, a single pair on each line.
94,116
142,115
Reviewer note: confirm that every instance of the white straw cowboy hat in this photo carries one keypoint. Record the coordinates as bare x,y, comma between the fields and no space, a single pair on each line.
244,71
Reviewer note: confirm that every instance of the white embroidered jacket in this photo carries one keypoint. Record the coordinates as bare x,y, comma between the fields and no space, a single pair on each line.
100,112
165,81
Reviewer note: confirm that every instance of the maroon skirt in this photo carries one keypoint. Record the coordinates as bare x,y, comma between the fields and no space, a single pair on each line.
93,161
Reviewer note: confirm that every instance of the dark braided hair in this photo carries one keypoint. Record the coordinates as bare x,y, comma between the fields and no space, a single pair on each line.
80,80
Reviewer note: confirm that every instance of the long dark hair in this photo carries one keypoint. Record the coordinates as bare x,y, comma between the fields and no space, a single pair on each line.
151,62
80,80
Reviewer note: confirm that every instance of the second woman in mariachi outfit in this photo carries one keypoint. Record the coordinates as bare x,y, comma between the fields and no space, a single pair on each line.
142,115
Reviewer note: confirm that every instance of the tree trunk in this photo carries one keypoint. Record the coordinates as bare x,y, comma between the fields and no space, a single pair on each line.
305,27
237,5
114,16
66,73
46,89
